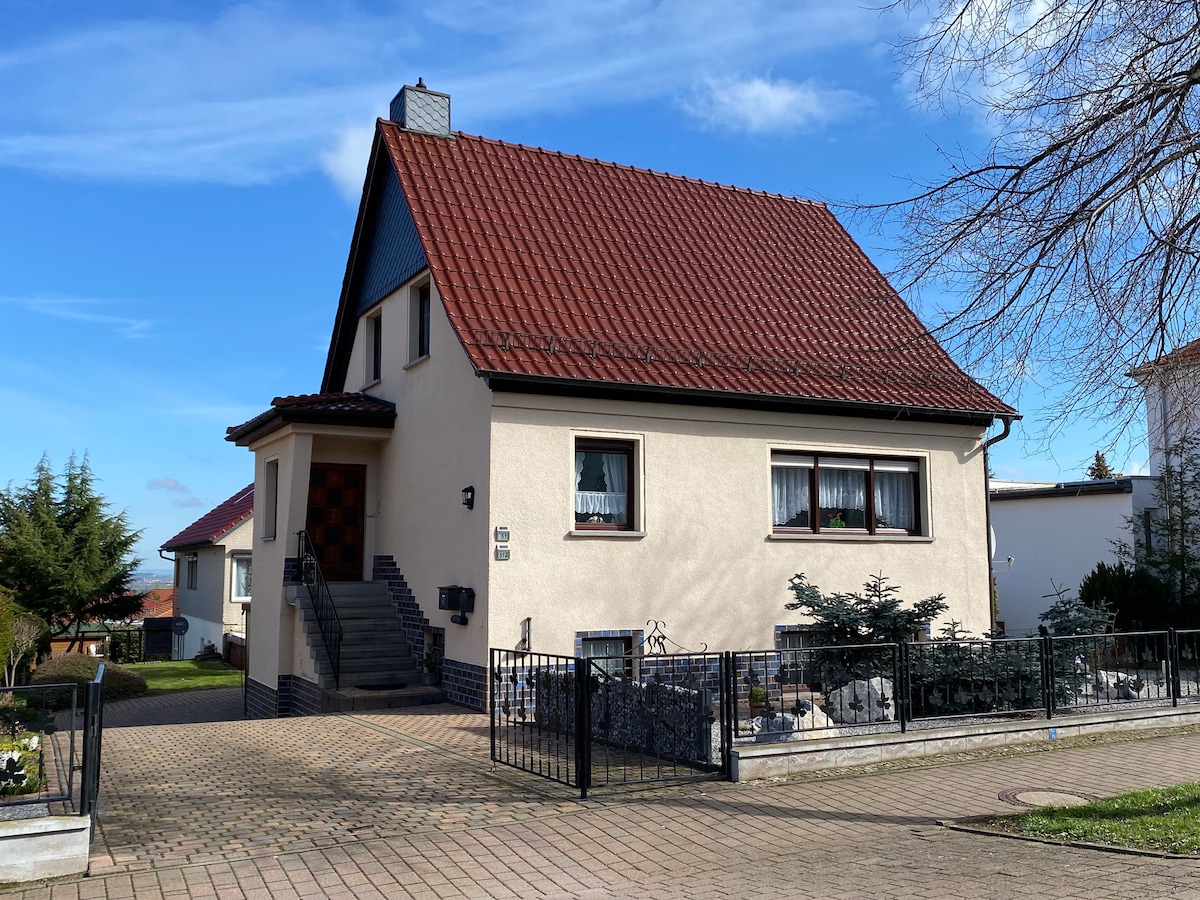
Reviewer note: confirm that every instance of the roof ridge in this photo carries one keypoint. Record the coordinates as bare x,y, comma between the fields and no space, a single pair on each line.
615,165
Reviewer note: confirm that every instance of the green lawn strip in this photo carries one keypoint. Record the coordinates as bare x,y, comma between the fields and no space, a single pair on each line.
186,675
1161,819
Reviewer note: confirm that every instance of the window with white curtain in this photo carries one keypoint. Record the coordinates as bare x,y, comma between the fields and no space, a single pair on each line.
603,484
241,576
844,494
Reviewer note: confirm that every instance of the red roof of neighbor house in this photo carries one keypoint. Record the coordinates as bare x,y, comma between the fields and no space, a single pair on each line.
159,602
556,266
1187,355
218,522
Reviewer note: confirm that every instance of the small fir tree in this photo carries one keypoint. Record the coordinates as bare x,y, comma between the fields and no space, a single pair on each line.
876,615
1100,469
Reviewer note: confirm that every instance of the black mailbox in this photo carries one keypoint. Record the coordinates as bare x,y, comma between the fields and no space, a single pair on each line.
456,598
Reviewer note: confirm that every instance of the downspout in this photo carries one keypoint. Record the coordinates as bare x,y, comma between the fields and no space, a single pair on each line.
993,594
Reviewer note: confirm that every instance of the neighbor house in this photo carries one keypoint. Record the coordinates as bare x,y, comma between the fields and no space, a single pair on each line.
1171,386
565,398
1050,535
212,573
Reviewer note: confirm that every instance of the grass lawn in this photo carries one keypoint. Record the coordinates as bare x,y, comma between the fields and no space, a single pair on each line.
186,675
1163,819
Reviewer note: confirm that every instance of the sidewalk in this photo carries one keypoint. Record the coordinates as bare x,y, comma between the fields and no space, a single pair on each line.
407,804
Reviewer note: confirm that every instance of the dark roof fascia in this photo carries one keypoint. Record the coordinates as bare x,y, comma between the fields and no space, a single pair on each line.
568,387
342,341
275,419
1067,489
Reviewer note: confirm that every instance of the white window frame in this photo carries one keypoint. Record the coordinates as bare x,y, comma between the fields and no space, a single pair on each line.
420,320
233,576
373,348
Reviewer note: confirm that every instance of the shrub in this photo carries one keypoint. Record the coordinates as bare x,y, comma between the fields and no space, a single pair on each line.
75,668
1138,598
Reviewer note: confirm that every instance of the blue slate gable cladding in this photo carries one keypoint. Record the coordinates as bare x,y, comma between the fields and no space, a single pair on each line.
393,252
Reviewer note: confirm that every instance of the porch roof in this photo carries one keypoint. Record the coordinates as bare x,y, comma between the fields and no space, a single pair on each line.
335,408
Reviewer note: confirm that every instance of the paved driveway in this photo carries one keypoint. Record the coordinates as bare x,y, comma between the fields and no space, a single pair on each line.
406,804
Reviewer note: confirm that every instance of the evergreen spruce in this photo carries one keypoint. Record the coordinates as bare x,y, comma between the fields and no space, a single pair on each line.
62,555
1100,469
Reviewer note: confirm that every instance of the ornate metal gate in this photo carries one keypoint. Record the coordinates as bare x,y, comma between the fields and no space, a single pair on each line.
647,716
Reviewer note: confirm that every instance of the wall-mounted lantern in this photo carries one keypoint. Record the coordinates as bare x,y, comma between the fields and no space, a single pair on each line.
468,497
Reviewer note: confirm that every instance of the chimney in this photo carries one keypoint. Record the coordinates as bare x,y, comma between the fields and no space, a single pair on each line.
416,108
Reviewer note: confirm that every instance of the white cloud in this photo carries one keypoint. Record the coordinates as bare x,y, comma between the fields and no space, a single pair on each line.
346,163
761,106
167,484
84,309
265,90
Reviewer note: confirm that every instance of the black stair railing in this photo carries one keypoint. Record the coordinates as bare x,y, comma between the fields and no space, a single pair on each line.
309,572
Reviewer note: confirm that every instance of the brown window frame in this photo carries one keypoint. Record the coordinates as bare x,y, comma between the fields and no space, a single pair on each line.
611,446
871,526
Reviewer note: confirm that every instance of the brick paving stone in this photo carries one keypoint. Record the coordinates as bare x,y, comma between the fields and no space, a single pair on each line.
407,804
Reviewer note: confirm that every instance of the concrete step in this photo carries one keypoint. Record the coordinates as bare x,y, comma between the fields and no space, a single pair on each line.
353,699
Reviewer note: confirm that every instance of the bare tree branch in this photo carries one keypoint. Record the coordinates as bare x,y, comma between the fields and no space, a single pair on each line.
1073,239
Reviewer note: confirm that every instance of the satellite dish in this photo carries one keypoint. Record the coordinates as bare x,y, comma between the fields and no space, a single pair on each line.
179,626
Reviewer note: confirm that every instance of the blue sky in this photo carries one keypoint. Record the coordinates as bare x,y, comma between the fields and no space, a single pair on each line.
179,184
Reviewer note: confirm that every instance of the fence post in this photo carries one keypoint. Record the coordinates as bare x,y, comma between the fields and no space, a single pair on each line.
583,727
900,683
93,726
1046,652
727,714
1173,664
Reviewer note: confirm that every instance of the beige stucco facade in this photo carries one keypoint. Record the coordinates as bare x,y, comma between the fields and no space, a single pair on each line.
702,557
210,606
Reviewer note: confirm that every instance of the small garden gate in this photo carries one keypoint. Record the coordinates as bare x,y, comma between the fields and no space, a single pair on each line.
591,722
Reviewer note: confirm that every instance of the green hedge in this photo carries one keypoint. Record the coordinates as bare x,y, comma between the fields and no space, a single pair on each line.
75,668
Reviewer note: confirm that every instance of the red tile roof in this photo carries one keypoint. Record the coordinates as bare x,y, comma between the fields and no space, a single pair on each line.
159,602
330,408
1187,355
216,523
557,266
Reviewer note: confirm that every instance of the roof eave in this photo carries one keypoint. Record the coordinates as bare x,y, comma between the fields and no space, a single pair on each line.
260,427
520,383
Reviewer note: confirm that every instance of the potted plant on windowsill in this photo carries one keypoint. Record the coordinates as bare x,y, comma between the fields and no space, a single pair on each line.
432,668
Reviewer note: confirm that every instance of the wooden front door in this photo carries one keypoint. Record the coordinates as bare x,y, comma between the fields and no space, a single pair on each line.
336,494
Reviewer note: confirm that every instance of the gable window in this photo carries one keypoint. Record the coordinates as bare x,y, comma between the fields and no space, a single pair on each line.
418,323
844,494
603,484
193,565
374,348
241,576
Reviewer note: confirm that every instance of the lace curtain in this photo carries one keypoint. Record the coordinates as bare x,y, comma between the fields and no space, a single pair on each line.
610,502
894,502
789,489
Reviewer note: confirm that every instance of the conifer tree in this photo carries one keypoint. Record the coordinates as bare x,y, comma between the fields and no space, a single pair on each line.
1100,468
63,556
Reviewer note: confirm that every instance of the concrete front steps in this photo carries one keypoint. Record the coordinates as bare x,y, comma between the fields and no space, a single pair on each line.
378,669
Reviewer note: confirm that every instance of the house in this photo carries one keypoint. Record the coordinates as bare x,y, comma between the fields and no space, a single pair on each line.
1050,535
212,572
566,398
1171,386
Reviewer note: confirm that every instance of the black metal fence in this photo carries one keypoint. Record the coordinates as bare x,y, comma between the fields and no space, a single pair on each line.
39,753
647,718
781,693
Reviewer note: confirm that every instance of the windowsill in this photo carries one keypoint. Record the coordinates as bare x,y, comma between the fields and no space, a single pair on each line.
858,538
267,538
416,362
601,533
371,384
